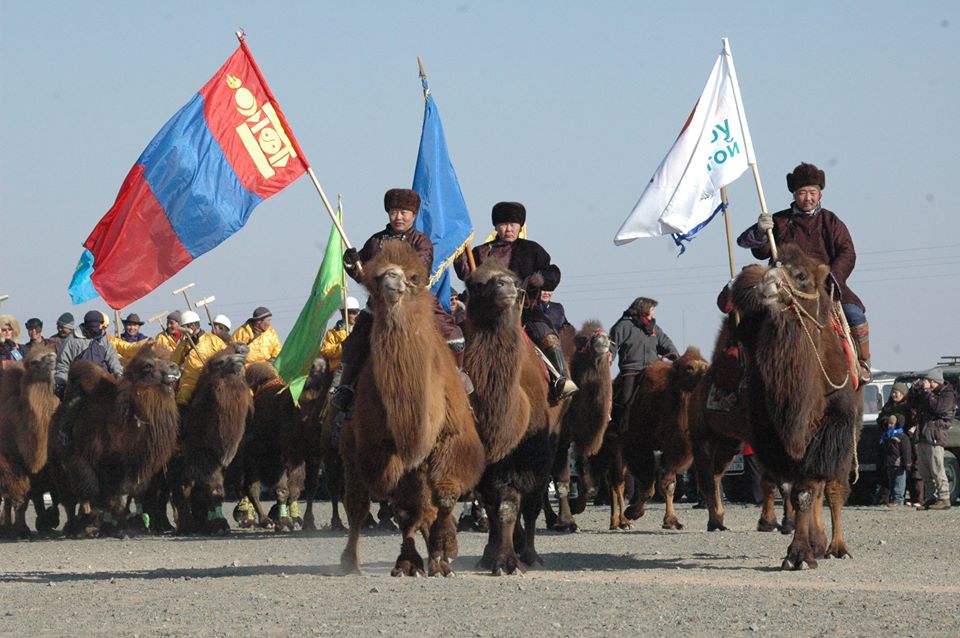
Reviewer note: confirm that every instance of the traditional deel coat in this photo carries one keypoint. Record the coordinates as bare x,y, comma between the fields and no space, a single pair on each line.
263,347
191,359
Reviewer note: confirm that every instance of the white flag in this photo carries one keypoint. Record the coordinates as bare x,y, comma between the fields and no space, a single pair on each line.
712,150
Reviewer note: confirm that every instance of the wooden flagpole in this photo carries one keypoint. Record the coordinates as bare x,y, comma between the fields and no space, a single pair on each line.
343,277
752,163
726,223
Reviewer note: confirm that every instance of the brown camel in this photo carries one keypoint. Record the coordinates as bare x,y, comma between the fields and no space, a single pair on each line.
273,452
27,404
123,433
313,401
719,425
805,406
518,425
658,420
584,423
214,424
412,438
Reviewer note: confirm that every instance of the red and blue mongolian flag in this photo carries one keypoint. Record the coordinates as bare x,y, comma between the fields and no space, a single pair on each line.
195,185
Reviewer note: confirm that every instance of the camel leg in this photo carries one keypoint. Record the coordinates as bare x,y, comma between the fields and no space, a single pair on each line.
282,491
500,555
310,484
20,529
818,534
799,552
668,485
410,508
530,509
491,506
709,471
89,520
616,504
587,487
837,491
356,502
789,521
768,511
442,542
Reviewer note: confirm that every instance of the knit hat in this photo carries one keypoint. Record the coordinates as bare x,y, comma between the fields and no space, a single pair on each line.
401,198
93,317
509,213
175,316
805,175
262,312
65,321
933,374
132,318
34,324
901,388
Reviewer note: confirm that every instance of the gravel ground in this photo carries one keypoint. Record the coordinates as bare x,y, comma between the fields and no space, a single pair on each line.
902,581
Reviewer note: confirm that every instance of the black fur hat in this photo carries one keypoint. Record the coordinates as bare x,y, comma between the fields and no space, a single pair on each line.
509,213
805,175
401,198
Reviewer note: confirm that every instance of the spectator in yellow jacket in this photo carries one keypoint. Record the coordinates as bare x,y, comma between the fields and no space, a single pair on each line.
195,348
332,347
257,333
168,339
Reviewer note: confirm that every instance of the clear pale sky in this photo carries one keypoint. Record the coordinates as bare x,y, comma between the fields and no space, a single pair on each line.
567,107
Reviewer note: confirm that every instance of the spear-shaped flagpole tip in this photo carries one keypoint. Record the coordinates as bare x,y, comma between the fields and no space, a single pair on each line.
241,34
423,77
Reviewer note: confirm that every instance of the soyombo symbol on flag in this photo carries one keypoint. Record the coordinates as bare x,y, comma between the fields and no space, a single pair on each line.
713,149
195,185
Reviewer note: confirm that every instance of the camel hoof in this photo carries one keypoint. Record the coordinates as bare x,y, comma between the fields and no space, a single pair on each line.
766,526
387,525
565,528
635,511
506,565
440,568
407,567
349,567
337,525
715,527
531,558
676,525
787,527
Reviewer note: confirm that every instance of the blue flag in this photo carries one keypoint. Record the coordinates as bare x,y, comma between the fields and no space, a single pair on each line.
443,213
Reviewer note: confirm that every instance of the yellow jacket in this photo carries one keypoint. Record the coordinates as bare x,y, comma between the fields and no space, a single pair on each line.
191,360
165,345
332,347
264,347
126,349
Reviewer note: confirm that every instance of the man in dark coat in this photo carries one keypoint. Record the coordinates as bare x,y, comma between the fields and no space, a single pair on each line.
822,236
531,263
640,342
65,326
402,206
934,402
553,311
35,332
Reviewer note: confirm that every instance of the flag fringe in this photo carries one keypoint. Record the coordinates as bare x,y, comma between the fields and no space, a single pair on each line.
449,260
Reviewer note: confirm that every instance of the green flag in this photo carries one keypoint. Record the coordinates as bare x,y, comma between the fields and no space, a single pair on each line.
303,343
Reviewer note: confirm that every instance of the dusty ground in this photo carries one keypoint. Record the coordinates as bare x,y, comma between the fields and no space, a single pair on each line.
903,581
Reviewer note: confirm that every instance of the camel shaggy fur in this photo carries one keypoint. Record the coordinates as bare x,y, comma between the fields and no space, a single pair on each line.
584,423
123,434
27,404
805,406
659,421
719,425
213,425
412,438
518,425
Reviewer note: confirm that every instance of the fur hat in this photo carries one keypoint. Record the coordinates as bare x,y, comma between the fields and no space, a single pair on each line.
933,374
34,323
93,317
262,312
509,213
805,175
65,321
401,198
133,318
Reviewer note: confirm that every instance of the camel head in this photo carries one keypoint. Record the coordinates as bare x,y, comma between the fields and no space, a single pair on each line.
593,338
689,369
796,278
40,364
396,273
229,361
491,285
148,369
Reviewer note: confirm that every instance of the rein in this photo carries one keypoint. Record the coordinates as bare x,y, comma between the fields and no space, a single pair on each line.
801,312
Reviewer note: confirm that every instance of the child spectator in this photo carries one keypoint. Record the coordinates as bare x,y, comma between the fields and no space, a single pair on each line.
897,456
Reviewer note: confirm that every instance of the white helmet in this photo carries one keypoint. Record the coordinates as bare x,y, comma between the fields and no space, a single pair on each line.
352,303
189,316
223,320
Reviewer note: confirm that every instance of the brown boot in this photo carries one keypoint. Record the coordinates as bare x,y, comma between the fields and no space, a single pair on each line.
942,504
861,336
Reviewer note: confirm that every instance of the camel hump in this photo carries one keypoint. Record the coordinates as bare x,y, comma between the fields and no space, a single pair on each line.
86,376
260,373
